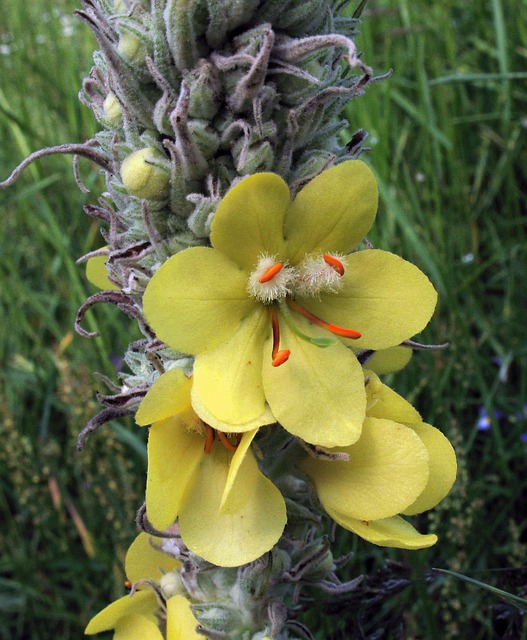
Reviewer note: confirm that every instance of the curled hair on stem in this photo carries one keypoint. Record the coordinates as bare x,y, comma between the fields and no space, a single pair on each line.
83,150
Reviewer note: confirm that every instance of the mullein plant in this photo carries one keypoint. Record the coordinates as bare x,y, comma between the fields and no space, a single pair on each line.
235,228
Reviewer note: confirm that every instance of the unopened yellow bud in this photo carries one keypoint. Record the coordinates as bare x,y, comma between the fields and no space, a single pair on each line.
171,585
112,109
143,176
131,48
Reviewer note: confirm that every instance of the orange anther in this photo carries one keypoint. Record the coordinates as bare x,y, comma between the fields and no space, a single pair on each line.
226,442
270,273
340,331
281,357
128,584
335,263
209,438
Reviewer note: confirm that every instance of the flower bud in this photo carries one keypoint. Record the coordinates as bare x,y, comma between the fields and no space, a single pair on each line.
132,49
171,584
205,93
143,174
112,110
258,157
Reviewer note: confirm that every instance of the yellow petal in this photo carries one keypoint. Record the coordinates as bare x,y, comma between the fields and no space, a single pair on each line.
249,221
181,624
246,527
387,470
137,628
318,393
174,454
383,402
333,212
230,496
97,273
196,299
388,532
384,297
389,360
140,603
265,418
443,468
228,380
168,396
145,562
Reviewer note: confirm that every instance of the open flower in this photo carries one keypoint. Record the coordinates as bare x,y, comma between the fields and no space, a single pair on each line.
399,465
229,513
137,616
271,309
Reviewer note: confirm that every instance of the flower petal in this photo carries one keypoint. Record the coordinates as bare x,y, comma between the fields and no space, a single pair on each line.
174,454
137,628
443,468
265,418
388,532
390,360
168,396
140,603
318,393
386,472
229,497
145,562
384,297
250,219
246,527
384,402
196,299
333,212
97,274
181,624
228,380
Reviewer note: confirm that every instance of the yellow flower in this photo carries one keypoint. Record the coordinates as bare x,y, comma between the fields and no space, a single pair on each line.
271,309
399,465
137,616
229,513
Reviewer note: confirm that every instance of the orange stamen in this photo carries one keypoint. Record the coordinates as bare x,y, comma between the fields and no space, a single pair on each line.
226,442
335,263
339,331
270,273
128,584
279,356
209,439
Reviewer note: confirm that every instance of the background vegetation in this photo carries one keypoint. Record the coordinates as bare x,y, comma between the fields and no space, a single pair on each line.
447,137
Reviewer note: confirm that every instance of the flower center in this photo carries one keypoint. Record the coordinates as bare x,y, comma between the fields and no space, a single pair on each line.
276,284
271,280
211,434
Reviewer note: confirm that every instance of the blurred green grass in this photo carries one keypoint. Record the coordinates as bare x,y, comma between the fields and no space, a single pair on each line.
447,137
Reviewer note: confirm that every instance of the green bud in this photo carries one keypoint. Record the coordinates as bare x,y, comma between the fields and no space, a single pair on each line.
207,140
132,49
258,157
144,174
112,110
205,91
